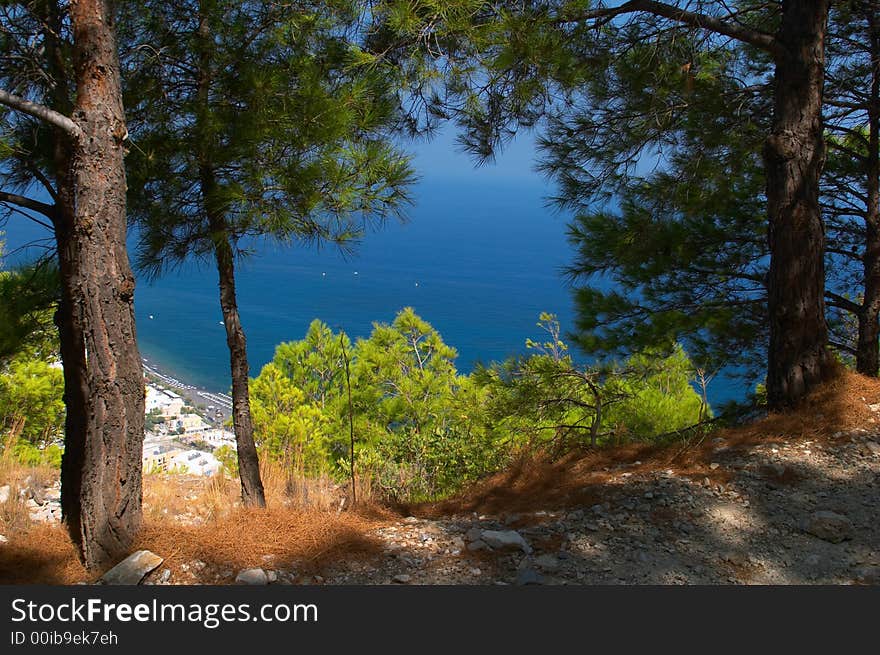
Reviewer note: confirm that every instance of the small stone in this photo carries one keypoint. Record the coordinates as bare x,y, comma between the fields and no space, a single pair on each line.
254,577
473,534
547,563
165,577
735,558
477,545
271,576
868,575
529,577
318,579
5,490
3,539
505,539
714,465
829,526
402,578
132,569
576,515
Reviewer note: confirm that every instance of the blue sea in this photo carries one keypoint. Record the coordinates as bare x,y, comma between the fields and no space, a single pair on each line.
479,260
480,257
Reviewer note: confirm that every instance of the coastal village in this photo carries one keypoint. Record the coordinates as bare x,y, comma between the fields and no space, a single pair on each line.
184,427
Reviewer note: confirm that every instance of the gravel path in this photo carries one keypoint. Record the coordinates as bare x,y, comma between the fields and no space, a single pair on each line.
800,513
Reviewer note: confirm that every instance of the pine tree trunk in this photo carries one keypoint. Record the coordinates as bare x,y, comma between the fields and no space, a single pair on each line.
794,154
104,388
248,461
868,348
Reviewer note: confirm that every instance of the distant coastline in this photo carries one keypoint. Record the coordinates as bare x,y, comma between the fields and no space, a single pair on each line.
194,396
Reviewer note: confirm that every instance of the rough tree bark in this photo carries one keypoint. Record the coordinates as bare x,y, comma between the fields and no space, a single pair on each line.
104,389
248,461
794,154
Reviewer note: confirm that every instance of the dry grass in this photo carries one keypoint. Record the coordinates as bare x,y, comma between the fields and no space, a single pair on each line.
536,482
303,539
187,518
43,554
14,515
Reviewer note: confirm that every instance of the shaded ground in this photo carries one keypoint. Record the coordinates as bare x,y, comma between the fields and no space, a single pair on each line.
789,499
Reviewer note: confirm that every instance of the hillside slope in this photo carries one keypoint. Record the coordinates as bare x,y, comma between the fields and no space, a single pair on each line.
788,499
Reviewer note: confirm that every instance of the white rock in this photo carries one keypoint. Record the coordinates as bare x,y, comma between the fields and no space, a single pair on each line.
252,577
402,578
5,490
3,539
505,539
132,569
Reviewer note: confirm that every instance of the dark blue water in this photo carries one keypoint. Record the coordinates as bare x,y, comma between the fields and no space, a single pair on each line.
476,261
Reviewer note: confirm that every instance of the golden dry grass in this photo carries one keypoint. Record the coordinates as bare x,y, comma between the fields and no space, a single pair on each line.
187,518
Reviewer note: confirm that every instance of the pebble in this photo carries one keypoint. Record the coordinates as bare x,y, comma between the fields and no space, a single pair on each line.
255,576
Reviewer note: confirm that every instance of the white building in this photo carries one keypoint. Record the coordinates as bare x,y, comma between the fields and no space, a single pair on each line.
167,402
195,462
219,437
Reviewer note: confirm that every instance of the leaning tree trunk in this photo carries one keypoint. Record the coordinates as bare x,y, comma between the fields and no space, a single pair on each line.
794,154
104,390
248,462
868,348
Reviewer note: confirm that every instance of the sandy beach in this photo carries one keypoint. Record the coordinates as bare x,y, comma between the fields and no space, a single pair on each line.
212,406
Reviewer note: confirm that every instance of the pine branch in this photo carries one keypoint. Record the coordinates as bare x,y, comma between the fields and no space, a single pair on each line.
28,203
41,112
735,31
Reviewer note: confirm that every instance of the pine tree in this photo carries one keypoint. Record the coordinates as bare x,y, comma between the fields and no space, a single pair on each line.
66,136
511,63
250,120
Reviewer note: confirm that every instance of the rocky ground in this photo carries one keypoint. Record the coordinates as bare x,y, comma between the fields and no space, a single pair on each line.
796,512
789,514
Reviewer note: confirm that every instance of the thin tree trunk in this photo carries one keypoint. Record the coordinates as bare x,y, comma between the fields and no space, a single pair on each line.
798,358
102,465
868,348
252,493
248,461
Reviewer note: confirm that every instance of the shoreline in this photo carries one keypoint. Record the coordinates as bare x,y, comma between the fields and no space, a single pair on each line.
192,395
